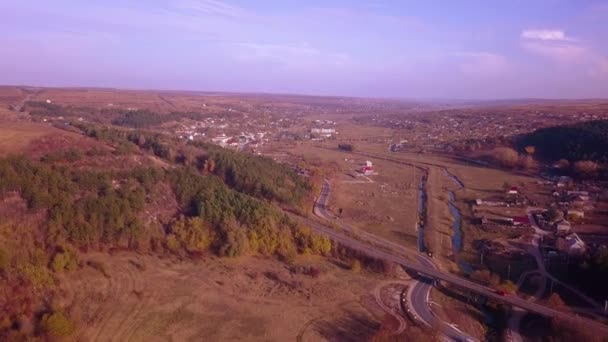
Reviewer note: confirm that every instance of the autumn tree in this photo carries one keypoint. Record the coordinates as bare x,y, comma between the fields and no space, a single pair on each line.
586,167
530,149
193,234
506,156
562,164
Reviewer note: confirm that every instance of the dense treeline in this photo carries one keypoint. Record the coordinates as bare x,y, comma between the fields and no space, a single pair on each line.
82,206
141,119
241,223
42,108
258,176
128,141
87,208
145,118
582,141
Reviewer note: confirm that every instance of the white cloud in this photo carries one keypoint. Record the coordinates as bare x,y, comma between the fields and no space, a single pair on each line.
545,35
565,51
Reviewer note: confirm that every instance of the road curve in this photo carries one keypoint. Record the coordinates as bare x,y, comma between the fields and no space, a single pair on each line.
454,280
418,294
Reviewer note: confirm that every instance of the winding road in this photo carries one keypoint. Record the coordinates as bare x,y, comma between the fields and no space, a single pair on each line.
418,293
386,252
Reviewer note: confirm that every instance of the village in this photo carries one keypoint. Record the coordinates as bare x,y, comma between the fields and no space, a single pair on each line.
458,130
565,212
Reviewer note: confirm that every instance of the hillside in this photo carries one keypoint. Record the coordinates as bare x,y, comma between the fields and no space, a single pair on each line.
581,141
112,189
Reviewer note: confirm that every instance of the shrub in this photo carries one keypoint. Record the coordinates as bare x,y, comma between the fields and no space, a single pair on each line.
586,167
56,324
235,241
38,276
506,156
346,147
172,243
66,260
355,266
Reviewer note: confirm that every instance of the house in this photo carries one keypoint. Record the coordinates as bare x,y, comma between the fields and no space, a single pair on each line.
571,244
564,181
521,221
368,168
494,201
578,193
575,215
323,132
513,191
563,226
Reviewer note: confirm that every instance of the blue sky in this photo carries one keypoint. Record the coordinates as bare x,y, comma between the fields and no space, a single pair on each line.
467,49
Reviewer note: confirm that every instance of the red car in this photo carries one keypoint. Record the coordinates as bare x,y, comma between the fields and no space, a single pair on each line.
500,292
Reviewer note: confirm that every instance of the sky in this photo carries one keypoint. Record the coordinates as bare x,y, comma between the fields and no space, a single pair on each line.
411,49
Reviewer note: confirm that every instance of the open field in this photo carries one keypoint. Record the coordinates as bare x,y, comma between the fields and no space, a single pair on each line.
384,203
15,137
152,299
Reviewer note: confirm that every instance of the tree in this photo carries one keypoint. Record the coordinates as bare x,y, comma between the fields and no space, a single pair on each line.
57,324
530,149
506,156
193,234
346,147
586,167
556,301
527,162
562,164
65,260
553,215
355,266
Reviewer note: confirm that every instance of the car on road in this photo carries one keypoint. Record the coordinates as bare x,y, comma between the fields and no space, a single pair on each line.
500,292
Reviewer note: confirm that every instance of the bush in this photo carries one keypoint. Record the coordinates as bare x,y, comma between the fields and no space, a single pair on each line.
355,266
57,324
172,243
586,167
506,156
346,147
66,260
38,276
309,242
234,241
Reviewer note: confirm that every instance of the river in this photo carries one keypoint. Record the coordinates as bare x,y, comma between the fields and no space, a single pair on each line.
457,225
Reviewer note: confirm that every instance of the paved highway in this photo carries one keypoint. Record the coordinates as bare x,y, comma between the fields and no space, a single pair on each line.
386,254
418,294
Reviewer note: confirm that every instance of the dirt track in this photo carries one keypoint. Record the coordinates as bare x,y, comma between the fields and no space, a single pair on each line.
152,299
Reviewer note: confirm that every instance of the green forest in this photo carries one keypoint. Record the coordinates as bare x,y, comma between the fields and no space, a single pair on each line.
581,141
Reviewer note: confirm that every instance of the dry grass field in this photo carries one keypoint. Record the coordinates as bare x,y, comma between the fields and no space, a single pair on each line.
384,204
145,298
16,136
